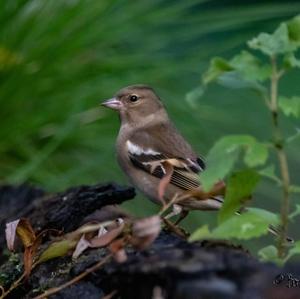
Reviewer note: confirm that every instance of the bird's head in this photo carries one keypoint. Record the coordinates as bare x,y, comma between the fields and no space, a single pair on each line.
135,103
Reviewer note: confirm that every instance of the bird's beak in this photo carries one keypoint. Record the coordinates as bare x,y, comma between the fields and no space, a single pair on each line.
113,103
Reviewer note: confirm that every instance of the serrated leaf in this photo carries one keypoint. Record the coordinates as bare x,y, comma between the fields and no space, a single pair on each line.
239,188
275,43
251,224
295,213
220,161
269,253
294,189
271,218
225,152
217,67
193,96
236,80
294,250
269,172
294,29
294,136
290,61
290,106
256,154
251,67
201,233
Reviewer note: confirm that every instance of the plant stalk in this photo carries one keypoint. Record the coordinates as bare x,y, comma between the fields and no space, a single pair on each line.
282,159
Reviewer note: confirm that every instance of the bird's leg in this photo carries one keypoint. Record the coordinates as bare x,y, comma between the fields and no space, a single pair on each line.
182,215
176,210
175,229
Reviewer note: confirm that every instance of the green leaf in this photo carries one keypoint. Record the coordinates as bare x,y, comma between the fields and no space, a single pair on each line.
290,106
217,67
242,71
295,213
294,189
294,29
269,217
294,250
290,61
201,233
269,172
256,154
269,253
57,249
245,226
275,43
225,152
235,80
239,188
194,95
251,67
294,136
220,159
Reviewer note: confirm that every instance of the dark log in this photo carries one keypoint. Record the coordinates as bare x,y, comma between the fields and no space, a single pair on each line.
171,268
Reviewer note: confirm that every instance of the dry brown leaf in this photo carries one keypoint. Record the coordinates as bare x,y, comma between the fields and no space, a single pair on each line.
10,234
108,237
165,180
28,261
81,246
117,249
120,256
25,232
145,231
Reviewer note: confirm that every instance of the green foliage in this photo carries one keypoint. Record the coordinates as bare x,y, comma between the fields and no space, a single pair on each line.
275,43
290,106
269,253
225,152
239,189
59,59
251,224
249,71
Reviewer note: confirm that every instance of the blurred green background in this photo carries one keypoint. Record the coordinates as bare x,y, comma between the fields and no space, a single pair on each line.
60,59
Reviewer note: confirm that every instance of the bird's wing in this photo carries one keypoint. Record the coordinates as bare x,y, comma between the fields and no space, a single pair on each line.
151,150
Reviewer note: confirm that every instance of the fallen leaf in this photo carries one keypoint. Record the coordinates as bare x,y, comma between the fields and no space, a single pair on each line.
165,180
57,249
145,231
117,249
81,246
108,237
25,232
10,234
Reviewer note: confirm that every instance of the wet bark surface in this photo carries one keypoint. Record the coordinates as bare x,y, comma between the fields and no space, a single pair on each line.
170,268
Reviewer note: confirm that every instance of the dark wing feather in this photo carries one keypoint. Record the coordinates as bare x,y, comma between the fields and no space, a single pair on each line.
155,150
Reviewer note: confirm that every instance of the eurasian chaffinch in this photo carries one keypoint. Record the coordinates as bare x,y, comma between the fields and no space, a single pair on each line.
155,156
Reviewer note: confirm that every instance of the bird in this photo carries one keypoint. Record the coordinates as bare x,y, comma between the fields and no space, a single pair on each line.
155,156
157,159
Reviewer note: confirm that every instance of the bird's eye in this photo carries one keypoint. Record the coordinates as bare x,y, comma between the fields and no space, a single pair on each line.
133,98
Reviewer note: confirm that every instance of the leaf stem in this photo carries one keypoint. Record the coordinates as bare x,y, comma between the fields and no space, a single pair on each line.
282,158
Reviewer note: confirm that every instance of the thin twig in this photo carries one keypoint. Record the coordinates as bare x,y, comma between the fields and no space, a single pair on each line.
12,287
282,158
110,295
75,279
